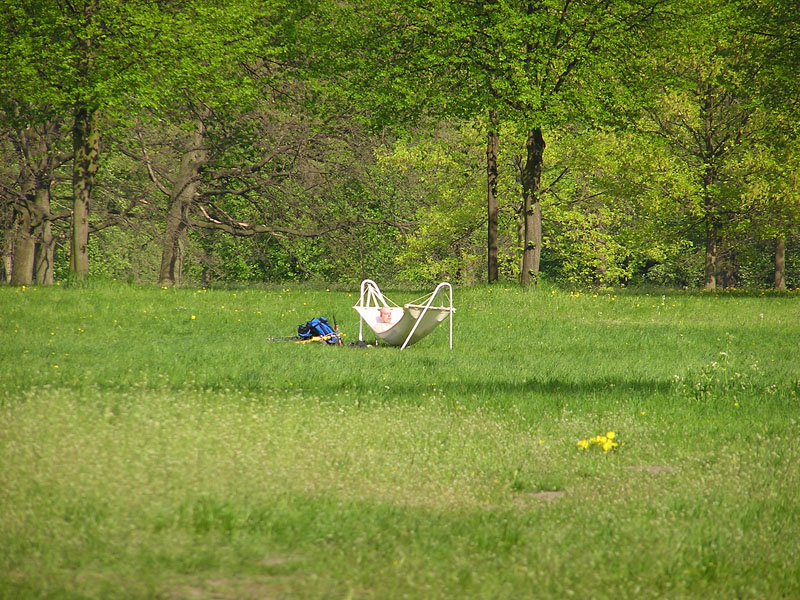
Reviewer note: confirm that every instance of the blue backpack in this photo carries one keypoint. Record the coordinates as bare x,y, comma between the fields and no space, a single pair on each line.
319,328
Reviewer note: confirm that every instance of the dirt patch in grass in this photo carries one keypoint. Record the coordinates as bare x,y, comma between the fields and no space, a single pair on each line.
524,500
224,588
548,495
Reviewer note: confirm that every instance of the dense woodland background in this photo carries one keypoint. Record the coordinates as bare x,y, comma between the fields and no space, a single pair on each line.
588,142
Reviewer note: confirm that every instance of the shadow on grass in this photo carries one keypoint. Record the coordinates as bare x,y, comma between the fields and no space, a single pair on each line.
536,387
523,387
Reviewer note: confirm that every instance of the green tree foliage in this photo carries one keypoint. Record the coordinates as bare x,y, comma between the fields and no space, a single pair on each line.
540,64
709,115
69,61
614,218
341,140
442,178
774,26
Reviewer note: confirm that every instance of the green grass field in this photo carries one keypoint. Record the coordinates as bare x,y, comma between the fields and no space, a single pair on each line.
154,444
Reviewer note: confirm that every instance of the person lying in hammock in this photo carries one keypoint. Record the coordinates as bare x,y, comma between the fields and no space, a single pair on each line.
384,321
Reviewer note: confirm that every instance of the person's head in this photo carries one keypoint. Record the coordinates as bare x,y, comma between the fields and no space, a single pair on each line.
386,314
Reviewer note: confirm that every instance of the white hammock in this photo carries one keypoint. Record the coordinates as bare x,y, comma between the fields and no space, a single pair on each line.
411,322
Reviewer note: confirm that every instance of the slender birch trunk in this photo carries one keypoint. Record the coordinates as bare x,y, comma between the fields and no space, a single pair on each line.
491,195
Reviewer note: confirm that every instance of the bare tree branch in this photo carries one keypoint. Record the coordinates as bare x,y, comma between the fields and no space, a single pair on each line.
242,229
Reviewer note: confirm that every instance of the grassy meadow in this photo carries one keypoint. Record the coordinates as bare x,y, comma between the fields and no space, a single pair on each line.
155,444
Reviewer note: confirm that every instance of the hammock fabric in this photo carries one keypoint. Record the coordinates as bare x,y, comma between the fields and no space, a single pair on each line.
411,322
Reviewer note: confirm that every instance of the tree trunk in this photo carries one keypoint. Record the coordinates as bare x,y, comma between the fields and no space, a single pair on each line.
491,195
86,145
24,250
711,258
531,207
727,267
24,243
33,243
174,242
181,198
8,256
43,232
780,263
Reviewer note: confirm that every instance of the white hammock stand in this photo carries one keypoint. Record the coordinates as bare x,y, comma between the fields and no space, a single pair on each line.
411,322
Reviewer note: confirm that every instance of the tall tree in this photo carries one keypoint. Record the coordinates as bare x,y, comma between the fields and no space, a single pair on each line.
542,63
244,49
562,62
40,159
404,64
182,194
39,153
775,28
71,61
710,116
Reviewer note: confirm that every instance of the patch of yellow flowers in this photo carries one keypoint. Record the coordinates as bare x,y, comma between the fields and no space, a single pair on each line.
606,442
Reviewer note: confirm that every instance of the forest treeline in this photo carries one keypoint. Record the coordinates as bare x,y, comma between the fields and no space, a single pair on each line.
585,141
